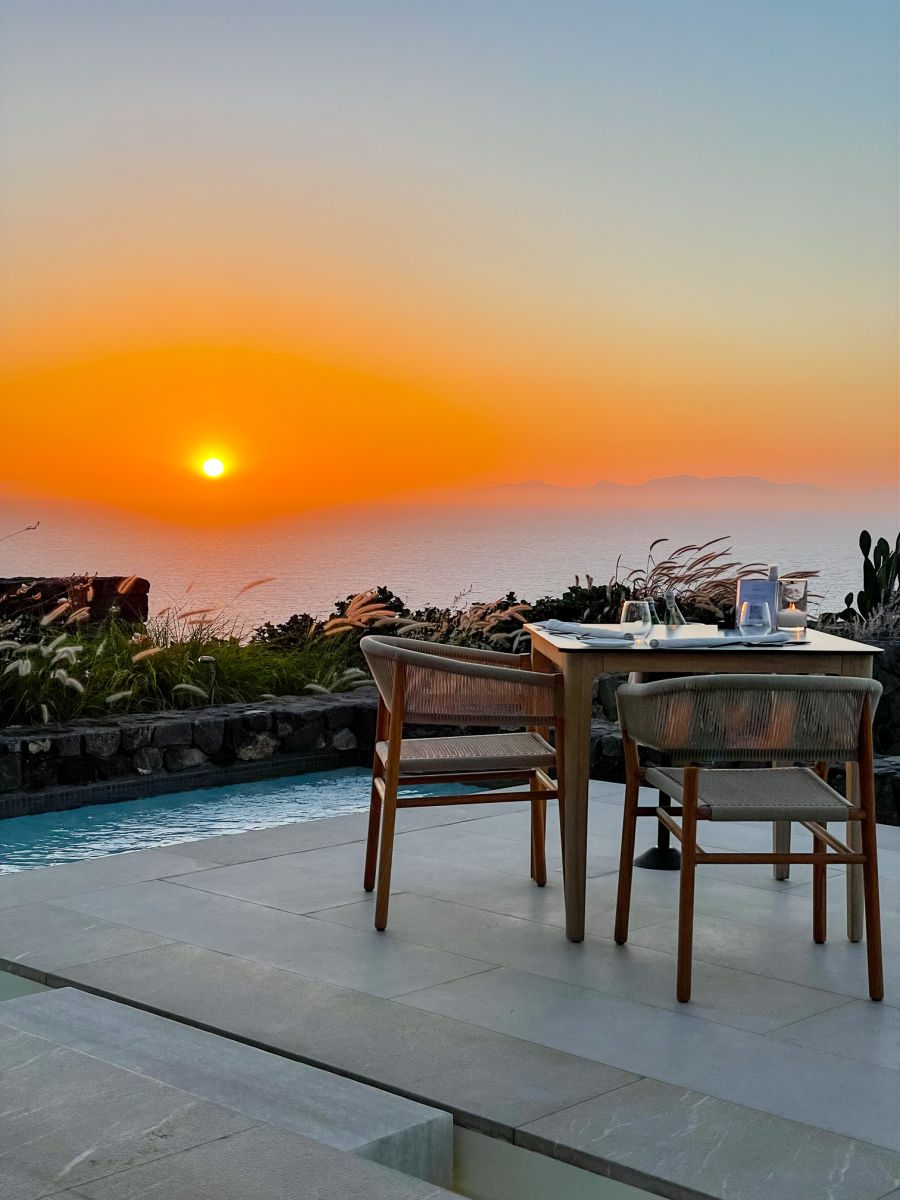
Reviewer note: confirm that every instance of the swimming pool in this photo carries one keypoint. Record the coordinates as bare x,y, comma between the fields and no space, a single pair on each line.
100,829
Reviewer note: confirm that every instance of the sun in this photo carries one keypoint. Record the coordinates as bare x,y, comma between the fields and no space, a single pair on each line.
213,467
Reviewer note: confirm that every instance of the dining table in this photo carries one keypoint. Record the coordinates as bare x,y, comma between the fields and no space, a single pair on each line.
581,659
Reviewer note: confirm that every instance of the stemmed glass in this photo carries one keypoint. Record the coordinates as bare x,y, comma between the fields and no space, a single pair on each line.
755,618
636,617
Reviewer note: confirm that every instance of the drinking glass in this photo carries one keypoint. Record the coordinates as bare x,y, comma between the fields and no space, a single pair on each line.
637,619
755,618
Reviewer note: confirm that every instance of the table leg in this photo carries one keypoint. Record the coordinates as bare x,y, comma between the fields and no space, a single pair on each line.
781,844
854,872
578,695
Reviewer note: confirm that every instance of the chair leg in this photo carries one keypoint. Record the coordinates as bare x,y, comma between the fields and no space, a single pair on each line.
781,844
686,889
820,896
382,728
873,907
626,858
538,838
372,840
386,853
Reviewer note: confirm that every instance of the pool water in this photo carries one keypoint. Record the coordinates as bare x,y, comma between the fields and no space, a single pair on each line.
100,829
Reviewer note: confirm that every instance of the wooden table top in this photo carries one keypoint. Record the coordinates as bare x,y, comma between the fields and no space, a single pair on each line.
627,656
814,641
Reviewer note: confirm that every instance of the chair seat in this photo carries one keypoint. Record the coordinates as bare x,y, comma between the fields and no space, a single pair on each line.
769,794
472,752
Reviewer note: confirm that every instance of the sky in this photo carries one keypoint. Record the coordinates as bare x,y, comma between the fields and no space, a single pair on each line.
360,248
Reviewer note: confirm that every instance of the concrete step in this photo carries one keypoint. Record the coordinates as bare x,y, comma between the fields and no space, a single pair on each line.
291,1096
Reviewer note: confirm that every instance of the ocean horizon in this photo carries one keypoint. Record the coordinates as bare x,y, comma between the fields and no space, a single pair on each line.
427,555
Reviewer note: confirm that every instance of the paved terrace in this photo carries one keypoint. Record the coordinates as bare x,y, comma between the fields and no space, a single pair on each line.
780,1081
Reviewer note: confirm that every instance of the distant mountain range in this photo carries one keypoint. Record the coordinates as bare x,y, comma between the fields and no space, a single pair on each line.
691,491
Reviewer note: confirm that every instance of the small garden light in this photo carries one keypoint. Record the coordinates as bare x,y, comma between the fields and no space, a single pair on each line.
208,660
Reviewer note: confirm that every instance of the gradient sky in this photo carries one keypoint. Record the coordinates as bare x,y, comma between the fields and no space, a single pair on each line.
360,248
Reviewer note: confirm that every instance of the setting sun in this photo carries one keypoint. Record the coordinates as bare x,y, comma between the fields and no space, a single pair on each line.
213,467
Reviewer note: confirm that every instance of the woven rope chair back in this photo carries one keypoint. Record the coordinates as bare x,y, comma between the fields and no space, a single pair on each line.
458,684
749,718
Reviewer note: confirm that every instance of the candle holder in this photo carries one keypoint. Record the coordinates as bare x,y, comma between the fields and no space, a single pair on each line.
792,605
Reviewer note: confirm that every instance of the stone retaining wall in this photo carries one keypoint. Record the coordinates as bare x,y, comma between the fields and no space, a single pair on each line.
40,767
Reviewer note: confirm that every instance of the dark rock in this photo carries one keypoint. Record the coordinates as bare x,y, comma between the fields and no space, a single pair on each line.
182,758
173,733
135,735
10,771
67,745
257,720
146,760
886,670
39,771
114,766
607,756
887,786
283,728
344,739
208,735
73,772
256,747
307,737
233,735
605,687
102,743
336,713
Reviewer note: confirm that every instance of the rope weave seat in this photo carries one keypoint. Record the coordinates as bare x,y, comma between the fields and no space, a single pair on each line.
777,794
474,752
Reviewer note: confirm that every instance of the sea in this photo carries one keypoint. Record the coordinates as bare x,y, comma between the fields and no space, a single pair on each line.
433,556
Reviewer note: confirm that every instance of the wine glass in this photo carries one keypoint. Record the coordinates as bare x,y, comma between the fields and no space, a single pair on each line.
755,618
637,619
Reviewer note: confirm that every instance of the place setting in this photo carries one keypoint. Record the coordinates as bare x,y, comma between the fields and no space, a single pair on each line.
769,613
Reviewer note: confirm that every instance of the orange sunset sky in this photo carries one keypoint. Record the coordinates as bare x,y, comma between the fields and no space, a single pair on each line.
356,250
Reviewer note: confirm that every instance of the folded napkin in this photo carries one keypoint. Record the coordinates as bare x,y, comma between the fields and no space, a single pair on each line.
722,642
606,643
574,629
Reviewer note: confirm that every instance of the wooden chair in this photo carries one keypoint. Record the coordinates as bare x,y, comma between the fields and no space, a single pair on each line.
706,724
431,684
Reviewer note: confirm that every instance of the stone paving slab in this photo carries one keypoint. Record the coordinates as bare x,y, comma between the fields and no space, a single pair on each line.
828,1091
79,1127
50,883
260,1164
69,1118
490,1081
230,848
860,1030
663,1136
46,938
271,937
724,995
322,1106
788,954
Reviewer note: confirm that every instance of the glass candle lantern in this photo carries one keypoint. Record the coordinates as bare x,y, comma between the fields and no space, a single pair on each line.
792,605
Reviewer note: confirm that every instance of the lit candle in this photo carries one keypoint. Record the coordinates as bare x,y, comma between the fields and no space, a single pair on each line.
791,617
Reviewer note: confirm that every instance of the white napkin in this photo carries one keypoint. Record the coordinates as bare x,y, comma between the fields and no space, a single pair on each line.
574,629
722,642
607,643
